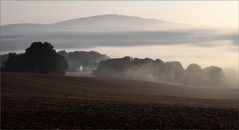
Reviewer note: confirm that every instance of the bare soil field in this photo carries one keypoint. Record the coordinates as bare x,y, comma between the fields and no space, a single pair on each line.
50,101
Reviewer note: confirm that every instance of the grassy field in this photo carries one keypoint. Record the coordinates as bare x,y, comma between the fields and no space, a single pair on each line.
49,101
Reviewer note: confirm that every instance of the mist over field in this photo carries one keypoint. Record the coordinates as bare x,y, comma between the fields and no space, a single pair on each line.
224,55
135,37
119,64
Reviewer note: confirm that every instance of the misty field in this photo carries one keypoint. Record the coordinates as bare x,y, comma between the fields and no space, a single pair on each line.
39,101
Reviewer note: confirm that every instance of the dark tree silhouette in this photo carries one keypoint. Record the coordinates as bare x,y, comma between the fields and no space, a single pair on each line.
157,70
38,58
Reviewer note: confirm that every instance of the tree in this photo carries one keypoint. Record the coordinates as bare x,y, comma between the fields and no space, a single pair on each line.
195,74
38,58
213,75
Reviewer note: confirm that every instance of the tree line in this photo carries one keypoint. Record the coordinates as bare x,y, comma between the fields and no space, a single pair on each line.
159,71
42,58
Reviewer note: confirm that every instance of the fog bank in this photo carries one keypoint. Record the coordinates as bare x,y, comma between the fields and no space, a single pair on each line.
220,53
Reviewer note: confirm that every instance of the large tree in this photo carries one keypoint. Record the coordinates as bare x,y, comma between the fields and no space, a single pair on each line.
38,58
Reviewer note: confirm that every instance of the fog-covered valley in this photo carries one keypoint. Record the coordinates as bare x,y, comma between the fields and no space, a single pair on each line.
119,64
119,35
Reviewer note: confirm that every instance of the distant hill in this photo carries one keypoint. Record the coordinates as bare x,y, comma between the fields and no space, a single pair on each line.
107,30
82,32
114,22
99,23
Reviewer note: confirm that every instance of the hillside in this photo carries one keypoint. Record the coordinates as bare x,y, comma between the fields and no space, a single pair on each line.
40,101
114,89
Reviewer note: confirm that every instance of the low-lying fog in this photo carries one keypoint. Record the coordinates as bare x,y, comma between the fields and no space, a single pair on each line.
120,35
219,53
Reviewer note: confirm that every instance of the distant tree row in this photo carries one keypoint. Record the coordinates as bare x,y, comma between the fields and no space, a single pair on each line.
157,70
38,58
87,60
42,58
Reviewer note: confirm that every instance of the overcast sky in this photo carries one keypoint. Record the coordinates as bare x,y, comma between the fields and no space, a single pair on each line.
223,14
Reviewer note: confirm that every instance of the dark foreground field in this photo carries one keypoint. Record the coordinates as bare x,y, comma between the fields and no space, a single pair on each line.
48,101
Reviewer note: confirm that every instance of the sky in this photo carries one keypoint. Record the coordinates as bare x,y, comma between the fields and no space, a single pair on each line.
209,14
223,14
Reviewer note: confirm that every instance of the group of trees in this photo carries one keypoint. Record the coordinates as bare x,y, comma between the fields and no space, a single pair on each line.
42,58
38,58
86,60
157,70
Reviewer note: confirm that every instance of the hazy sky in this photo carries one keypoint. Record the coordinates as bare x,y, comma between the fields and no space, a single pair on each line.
222,14
218,14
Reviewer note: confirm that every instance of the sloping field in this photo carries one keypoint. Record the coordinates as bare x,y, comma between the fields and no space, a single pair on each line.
114,89
50,101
